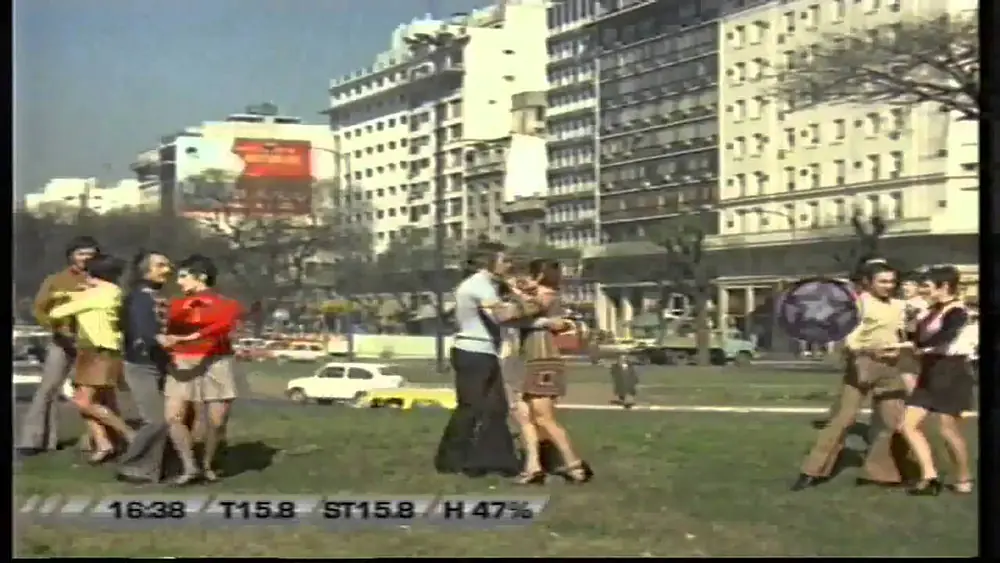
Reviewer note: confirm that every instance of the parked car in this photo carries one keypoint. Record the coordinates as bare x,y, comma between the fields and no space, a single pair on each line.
343,382
253,349
409,397
300,352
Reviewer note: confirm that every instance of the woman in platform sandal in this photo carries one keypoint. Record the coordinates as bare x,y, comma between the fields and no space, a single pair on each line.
945,385
99,355
544,373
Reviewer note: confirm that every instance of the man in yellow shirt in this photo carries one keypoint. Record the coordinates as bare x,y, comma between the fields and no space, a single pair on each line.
873,347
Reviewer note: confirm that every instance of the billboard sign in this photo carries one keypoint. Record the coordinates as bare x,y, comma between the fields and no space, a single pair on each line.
276,177
246,176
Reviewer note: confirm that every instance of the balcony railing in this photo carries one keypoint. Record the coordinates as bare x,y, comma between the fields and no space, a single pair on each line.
812,234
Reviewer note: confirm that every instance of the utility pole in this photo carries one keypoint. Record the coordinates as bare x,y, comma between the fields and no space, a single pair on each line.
345,220
439,280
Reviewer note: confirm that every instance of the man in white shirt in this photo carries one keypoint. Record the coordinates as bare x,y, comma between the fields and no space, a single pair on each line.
477,440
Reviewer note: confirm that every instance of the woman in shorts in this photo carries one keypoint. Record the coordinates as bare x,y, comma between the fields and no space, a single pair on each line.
199,327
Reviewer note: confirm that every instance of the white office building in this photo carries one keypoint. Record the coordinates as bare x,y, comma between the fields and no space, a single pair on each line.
791,181
447,85
252,152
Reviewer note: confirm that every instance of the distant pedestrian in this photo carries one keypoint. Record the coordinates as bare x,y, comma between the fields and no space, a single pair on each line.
624,381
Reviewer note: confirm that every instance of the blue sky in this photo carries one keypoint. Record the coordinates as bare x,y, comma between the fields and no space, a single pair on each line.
97,81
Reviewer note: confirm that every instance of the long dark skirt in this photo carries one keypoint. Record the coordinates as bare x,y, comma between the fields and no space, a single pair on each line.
477,440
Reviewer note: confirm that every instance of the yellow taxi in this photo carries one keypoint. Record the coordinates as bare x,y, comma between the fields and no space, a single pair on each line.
406,398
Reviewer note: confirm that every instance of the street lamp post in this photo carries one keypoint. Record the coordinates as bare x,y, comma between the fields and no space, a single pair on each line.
437,42
340,197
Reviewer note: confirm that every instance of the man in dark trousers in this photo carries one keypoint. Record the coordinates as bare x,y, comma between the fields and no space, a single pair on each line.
624,381
477,440
146,362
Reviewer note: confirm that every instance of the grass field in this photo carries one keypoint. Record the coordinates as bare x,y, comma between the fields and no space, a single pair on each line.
658,385
667,485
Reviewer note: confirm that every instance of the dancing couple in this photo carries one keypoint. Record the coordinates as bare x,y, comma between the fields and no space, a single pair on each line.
477,440
179,356
171,356
80,306
911,366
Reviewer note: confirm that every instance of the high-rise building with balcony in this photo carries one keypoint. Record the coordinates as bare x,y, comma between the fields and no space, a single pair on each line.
658,75
791,180
403,126
572,219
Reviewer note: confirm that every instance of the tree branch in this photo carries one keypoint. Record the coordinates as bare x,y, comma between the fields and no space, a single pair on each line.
903,64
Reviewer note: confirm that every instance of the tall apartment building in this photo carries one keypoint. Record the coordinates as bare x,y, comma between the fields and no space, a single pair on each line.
269,163
658,95
572,219
445,85
790,180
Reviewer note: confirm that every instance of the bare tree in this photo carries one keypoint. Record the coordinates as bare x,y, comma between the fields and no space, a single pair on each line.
908,63
686,269
271,251
867,244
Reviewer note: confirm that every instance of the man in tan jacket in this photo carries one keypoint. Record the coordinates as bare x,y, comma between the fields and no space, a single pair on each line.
873,349
39,430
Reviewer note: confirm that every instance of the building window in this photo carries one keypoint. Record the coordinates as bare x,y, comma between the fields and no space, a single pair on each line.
761,179
874,167
740,110
874,124
790,178
815,180
840,211
839,129
840,171
741,185
897,164
760,144
814,133
789,139
896,205
839,10
789,21
740,147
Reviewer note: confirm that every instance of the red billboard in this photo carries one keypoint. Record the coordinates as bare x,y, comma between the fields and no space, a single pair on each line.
276,178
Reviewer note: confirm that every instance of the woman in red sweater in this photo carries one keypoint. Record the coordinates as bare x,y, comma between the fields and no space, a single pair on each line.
199,328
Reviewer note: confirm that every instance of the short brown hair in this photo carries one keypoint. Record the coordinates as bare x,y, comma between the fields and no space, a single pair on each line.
549,270
484,255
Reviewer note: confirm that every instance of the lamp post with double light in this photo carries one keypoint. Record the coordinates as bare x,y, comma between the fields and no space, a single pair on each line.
336,200
433,48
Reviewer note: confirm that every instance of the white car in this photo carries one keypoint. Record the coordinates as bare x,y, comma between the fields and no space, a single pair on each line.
300,352
343,382
27,377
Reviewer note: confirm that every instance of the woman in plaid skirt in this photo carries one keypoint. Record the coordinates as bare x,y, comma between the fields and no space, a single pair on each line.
541,379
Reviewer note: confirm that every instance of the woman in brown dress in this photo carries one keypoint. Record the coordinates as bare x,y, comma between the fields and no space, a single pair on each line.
543,379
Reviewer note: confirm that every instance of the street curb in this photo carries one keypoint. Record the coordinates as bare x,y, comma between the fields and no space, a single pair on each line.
718,409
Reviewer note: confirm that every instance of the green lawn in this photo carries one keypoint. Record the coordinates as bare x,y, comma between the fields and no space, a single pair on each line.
658,385
667,485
